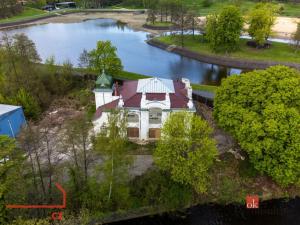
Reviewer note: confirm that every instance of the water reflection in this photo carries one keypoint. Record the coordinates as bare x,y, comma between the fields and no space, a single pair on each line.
67,41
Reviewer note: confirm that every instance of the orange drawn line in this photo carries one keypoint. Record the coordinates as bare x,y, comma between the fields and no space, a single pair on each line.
63,206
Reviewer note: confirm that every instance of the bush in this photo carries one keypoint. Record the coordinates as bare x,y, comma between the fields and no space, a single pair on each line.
207,3
155,188
223,30
262,110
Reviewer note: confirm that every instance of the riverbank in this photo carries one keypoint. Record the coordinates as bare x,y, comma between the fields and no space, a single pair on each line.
133,18
245,58
284,27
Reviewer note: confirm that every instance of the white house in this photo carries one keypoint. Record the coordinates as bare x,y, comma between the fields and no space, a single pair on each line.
147,101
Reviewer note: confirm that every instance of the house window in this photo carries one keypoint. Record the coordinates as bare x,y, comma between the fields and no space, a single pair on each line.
132,118
133,132
154,133
155,115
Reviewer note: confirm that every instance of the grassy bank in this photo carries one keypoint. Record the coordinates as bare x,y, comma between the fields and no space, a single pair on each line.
279,52
160,24
135,76
26,14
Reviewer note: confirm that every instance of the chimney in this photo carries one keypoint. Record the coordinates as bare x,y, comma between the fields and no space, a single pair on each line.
121,102
116,88
190,104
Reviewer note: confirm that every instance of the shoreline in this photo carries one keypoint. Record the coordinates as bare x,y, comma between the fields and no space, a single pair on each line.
219,60
284,27
133,18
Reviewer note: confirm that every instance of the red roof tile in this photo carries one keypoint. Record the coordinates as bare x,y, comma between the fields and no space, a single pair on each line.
178,99
156,96
110,105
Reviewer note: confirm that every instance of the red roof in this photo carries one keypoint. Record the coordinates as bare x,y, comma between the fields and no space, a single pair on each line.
155,96
132,99
110,105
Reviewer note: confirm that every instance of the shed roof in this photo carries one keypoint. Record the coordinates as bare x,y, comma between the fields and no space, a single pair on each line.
7,108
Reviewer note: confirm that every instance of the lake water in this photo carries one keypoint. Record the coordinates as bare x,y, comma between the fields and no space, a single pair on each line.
67,41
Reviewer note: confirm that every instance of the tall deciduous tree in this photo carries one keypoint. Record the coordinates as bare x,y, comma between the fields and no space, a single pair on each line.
261,20
111,144
186,150
223,30
10,164
104,57
262,110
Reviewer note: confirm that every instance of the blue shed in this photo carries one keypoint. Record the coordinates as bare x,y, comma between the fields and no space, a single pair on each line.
11,120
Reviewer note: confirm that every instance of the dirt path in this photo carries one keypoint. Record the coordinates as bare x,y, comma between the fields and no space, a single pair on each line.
285,27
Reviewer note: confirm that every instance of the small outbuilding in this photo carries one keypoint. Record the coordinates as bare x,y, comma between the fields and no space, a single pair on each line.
11,120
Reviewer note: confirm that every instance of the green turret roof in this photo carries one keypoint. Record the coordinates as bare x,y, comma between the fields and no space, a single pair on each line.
104,81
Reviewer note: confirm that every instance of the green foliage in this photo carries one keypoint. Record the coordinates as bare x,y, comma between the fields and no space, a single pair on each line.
104,57
207,3
223,30
261,20
10,163
261,109
156,188
30,105
111,145
296,37
186,150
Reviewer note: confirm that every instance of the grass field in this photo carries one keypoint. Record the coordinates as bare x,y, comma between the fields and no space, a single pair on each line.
278,52
289,9
27,13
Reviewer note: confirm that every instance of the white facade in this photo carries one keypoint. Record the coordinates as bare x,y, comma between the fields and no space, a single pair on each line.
147,118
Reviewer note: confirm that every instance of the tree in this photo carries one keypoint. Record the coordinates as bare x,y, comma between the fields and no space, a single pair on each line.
10,164
29,103
182,20
151,16
111,145
296,37
104,57
261,109
223,30
186,150
261,20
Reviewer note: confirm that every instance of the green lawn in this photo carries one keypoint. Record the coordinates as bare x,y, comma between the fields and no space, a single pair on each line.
161,24
278,52
27,13
289,9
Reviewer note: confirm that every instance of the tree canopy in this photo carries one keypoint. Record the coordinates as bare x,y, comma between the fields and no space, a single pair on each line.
186,150
10,162
262,110
261,20
104,57
223,30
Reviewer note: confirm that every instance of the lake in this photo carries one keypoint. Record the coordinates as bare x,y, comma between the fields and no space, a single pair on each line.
66,41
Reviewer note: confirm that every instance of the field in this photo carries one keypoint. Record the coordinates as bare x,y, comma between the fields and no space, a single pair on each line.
26,14
279,52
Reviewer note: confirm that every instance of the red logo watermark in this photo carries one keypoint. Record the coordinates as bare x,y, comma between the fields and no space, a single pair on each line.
55,215
252,202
